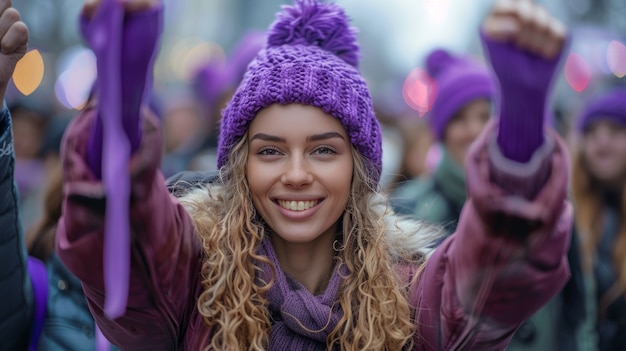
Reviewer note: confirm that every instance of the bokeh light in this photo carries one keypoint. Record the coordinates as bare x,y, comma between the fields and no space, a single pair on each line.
438,11
74,83
577,72
616,58
29,72
188,55
419,91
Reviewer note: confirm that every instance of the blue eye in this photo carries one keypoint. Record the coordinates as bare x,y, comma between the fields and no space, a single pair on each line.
268,151
325,150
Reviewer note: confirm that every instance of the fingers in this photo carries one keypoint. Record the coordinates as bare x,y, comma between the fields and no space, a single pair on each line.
7,18
502,24
527,25
13,32
15,41
5,4
90,6
139,5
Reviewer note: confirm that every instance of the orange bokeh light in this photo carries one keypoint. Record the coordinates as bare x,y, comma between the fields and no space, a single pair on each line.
29,72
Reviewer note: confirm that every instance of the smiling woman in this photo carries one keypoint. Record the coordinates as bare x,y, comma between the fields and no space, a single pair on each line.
292,247
299,171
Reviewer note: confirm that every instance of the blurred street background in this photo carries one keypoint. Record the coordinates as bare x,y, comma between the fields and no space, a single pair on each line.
394,36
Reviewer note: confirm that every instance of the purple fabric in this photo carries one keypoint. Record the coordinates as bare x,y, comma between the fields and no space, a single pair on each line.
139,39
39,278
459,80
107,44
610,105
302,321
102,344
125,47
525,80
311,59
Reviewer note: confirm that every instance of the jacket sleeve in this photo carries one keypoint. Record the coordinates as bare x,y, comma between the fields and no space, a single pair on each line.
165,252
508,255
15,287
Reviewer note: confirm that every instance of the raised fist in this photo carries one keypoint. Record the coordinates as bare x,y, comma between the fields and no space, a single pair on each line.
13,42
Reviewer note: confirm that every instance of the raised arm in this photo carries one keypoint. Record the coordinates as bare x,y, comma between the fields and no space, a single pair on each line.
164,253
508,256
16,306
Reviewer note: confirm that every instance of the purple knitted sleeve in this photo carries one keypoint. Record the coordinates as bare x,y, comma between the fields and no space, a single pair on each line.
525,82
139,37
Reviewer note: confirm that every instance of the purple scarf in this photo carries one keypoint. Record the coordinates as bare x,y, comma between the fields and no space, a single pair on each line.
300,321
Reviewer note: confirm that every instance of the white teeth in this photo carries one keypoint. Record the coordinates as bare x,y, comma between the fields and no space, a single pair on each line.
297,205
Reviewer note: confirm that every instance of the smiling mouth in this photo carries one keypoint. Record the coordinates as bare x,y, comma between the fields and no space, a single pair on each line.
297,205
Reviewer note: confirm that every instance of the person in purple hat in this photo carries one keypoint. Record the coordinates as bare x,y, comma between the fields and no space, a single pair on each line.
292,246
466,94
599,190
464,90
214,84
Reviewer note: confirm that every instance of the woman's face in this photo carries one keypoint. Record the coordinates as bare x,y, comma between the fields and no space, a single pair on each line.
299,171
604,151
465,127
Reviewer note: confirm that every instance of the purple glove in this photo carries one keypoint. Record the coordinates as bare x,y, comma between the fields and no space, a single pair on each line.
140,36
525,82
125,46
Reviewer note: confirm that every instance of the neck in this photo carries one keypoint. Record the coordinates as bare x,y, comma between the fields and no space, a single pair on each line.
311,264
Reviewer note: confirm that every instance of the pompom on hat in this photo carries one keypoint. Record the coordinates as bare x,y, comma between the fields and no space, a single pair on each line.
311,58
459,80
610,105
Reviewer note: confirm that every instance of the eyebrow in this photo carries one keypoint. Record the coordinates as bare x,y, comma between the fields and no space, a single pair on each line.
315,137
267,137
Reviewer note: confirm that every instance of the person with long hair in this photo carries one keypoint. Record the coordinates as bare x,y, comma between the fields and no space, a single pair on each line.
292,246
598,182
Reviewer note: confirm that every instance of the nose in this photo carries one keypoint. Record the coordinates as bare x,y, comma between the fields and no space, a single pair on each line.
475,127
297,172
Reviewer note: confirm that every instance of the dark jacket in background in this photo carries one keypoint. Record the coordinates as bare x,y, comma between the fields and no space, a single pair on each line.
69,325
16,295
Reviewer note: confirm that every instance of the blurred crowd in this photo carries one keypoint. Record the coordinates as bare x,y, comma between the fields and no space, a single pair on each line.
422,172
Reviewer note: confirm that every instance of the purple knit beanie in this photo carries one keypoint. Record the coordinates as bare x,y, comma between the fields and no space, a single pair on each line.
459,81
311,58
610,105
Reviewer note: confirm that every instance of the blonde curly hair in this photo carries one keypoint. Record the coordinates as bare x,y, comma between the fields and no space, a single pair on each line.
377,247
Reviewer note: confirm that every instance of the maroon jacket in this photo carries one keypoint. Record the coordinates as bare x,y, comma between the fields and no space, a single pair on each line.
505,261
